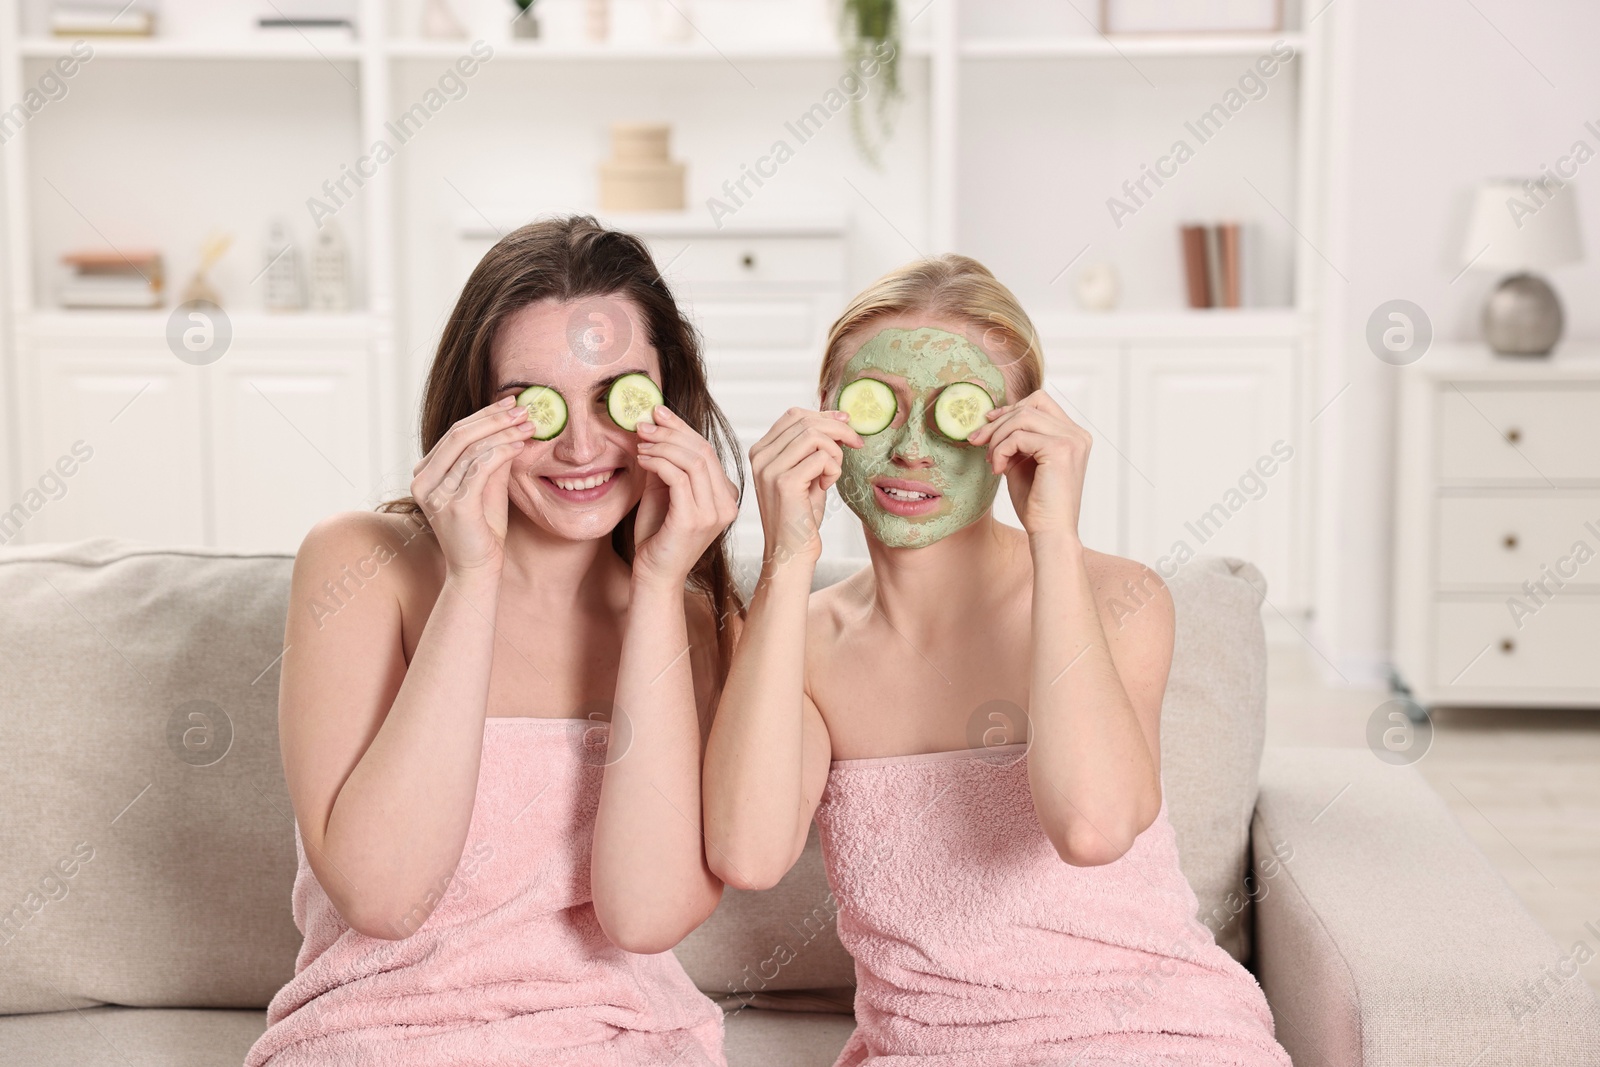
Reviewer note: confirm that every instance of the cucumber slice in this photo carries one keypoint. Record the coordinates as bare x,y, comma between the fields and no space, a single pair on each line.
630,400
547,411
960,409
870,405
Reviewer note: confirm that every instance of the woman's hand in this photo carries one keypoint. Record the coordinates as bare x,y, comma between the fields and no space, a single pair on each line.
688,499
792,467
1043,455
461,486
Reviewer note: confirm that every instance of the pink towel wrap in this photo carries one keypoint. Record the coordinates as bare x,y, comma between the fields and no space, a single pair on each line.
512,966
975,945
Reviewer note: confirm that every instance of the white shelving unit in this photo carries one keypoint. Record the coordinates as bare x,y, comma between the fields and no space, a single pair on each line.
1018,122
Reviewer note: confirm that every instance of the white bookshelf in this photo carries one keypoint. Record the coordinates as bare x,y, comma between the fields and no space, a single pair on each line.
1018,119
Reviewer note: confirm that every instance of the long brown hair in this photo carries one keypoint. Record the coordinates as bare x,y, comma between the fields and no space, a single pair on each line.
571,258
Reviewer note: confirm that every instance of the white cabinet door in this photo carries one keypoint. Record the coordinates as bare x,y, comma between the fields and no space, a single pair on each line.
292,444
1215,456
137,408
1082,378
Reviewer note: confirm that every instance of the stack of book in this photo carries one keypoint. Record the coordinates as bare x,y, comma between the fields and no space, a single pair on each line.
111,279
88,18
1211,264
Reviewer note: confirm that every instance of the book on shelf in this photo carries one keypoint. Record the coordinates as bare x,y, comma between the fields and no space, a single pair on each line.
102,20
343,28
336,18
1211,264
98,278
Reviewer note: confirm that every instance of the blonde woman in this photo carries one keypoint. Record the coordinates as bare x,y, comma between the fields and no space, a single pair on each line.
976,735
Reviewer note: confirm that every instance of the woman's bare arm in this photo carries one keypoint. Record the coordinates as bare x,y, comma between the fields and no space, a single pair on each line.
767,757
381,759
1095,702
648,870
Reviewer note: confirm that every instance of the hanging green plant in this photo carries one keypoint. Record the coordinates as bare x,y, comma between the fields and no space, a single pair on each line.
870,30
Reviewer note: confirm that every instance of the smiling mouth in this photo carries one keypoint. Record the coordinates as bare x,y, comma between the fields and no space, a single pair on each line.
899,496
591,482
582,488
896,493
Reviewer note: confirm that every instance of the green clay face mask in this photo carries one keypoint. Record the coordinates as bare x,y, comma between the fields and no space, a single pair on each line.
927,360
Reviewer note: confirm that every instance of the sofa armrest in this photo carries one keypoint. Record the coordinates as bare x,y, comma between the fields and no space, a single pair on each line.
1383,935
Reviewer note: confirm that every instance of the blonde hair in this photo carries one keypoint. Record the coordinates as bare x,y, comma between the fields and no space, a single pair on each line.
950,286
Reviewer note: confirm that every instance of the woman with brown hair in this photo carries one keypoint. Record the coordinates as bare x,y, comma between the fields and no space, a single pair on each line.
973,724
493,745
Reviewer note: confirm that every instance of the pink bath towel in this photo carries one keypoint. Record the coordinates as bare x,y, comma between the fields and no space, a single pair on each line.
512,966
975,945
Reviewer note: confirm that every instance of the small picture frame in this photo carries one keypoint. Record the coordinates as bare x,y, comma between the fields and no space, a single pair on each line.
1191,16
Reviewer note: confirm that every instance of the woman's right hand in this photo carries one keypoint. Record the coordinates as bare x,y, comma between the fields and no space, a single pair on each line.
461,486
792,467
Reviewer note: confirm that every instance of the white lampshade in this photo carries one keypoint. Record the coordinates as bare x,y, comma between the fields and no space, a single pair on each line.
1516,226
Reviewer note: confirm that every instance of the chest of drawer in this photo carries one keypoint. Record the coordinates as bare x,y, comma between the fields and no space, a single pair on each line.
1481,643
1509,538
1533,435
695,260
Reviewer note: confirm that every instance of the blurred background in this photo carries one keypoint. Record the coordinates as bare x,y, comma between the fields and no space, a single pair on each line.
1311,273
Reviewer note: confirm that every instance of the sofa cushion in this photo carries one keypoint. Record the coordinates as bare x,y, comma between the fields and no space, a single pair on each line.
1213,727
780,939
130,1037
757,1038
166,1037
146,852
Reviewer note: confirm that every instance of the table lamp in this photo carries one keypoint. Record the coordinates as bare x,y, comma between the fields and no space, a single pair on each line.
1519,224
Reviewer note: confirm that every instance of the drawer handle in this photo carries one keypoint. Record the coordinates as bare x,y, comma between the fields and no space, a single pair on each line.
748,261
1507,645
1511,541
1513,435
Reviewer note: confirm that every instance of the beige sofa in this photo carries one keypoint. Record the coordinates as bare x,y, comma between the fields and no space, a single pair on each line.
144,882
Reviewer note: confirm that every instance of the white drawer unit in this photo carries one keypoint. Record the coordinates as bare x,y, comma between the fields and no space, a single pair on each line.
1497,529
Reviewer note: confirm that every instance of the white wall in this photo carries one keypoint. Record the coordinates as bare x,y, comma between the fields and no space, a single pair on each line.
1439,95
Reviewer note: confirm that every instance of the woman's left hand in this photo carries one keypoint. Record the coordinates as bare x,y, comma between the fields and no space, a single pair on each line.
1043,455
688,499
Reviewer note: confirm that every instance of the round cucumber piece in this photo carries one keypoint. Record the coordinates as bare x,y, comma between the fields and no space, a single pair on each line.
870,405
630,400
547,411
960,409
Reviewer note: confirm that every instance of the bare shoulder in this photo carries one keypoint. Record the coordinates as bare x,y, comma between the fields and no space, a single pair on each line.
1131,597
833,608
354,551
364,538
